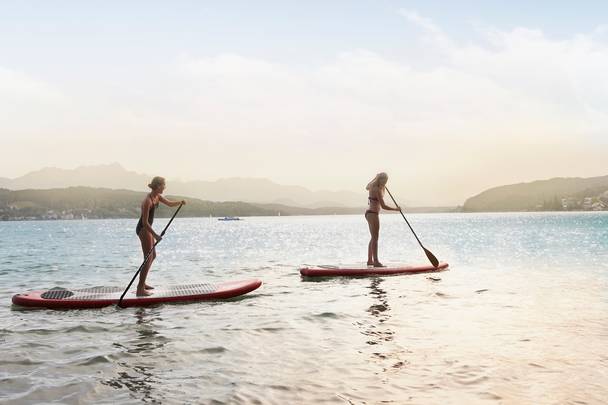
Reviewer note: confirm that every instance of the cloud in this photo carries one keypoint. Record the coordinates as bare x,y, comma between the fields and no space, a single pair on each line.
513,106
513,91
29,105
16,86
560,82
432,31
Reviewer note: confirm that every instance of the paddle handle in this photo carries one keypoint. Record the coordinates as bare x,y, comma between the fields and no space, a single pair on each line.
148,255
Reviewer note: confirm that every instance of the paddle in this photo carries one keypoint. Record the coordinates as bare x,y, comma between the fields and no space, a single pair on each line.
148,255
428,253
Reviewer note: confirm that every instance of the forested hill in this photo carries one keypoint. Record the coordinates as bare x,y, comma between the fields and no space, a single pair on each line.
543,195
91,203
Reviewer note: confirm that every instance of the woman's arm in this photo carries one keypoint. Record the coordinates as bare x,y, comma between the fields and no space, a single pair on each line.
170,203
384,206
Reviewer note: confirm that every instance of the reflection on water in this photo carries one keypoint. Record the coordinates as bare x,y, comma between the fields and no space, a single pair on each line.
520,318
380,333
134,372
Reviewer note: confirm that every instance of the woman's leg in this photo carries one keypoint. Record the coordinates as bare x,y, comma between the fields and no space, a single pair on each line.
374,230
370,257
152,258
147,243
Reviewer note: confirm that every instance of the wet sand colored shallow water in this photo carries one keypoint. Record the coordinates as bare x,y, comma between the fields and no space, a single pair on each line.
518,318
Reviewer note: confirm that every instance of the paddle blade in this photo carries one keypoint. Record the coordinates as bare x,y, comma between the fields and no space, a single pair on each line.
431,257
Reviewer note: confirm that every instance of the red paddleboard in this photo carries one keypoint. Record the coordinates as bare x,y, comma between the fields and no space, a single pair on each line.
363,270
98,297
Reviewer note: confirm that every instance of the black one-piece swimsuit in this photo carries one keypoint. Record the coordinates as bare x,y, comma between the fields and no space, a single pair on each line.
140,223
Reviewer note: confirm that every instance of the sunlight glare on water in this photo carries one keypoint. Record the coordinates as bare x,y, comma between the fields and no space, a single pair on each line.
519,318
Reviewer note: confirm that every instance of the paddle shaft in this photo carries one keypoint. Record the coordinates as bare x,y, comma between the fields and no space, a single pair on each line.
401,212
428,253
149,254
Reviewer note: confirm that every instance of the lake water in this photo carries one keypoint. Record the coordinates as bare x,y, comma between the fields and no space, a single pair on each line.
521,317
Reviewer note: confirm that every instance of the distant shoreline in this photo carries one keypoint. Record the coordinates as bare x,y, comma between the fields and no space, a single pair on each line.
86,203
165,216
244,217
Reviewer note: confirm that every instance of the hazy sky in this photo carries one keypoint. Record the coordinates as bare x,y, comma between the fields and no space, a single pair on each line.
448,98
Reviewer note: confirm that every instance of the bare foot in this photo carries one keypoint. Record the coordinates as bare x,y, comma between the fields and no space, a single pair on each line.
143,293
378,264
370,263
148,287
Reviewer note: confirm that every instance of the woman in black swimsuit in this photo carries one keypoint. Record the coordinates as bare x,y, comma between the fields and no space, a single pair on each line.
146,233
376,201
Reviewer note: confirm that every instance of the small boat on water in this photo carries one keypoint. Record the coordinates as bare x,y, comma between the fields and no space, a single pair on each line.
229,219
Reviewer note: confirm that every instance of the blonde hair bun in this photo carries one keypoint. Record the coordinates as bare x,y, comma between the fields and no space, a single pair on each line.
156,182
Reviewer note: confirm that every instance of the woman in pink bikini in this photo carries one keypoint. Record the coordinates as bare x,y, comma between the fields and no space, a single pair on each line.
376,201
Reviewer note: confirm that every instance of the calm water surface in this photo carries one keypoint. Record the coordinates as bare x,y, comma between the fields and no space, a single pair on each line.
519,318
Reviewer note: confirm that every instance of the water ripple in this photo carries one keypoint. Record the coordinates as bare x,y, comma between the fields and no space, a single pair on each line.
523,306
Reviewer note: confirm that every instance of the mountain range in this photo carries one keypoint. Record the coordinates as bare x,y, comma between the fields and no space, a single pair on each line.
551,194
253,190
94,203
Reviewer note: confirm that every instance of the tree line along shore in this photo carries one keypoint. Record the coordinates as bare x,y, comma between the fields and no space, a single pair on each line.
567,194
98,203
101,203
558,194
